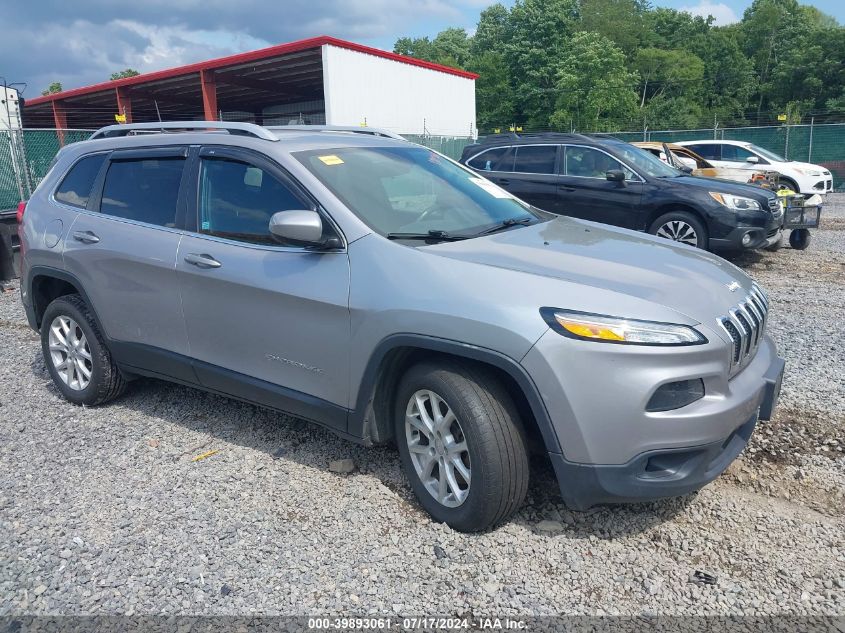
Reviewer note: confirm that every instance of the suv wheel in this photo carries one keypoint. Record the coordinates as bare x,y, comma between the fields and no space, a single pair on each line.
680,226
461,444
76,356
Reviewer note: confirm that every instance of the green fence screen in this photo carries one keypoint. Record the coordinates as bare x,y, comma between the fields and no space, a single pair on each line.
25,155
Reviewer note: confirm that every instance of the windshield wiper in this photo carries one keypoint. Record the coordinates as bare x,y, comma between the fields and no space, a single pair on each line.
443,236
506,224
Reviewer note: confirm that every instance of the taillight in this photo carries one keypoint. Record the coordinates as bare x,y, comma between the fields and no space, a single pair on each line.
21,209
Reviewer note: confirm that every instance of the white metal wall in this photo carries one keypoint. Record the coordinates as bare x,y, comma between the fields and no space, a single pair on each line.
399,97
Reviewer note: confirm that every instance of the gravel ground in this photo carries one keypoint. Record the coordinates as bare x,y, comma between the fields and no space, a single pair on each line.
105,510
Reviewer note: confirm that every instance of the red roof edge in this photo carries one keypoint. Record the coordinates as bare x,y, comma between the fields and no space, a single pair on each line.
241,58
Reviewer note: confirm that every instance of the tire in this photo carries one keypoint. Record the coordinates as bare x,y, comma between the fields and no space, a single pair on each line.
789,183
676,225
70,320
799,239
486,423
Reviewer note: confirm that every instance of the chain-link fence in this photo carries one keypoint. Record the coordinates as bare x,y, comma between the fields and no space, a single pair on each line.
25,157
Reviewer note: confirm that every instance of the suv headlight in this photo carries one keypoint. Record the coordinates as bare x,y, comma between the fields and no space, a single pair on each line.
735,202
610,329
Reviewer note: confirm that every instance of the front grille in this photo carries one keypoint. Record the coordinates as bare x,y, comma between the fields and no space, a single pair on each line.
746,325
774,204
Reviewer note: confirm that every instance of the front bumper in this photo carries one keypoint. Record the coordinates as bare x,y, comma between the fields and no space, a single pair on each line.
761,237
652,475
612,449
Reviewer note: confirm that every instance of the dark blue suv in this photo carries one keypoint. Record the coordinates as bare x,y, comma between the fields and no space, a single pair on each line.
601,178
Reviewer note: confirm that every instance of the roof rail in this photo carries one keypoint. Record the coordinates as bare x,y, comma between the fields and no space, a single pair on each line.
511,136
372,131
242,129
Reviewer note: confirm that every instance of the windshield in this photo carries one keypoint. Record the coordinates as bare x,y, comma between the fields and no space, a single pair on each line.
645,162
412,190
767,154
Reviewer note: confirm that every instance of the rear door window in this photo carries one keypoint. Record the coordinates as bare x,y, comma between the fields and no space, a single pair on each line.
535,159
77,184
489,160
735,153
144,190
710,151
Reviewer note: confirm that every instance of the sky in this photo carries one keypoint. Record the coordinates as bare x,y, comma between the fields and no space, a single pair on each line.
80,42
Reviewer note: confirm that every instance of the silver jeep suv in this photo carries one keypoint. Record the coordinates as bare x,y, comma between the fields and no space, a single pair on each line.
389,294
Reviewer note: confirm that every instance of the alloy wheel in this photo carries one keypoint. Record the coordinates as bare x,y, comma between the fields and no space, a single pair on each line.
678,231
438,448
69,353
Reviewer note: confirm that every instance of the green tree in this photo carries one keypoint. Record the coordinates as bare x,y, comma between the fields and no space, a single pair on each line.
491,33
538,37
450,47
668,28
129,72
668,73
52,89
729,81
620,20
493,93
595,89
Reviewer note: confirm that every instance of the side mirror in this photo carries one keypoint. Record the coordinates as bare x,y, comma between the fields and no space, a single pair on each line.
752,159
615,175
685,168
300,227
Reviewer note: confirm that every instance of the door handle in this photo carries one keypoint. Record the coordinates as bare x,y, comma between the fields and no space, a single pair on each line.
202,260
503,181
86,237
567,188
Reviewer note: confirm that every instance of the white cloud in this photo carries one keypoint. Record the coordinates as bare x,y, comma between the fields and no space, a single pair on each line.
722,13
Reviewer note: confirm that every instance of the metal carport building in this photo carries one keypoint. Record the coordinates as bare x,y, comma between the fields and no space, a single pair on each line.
321,80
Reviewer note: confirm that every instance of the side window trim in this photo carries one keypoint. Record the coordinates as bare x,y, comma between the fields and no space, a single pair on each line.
95,200
515,153
261,161
91,193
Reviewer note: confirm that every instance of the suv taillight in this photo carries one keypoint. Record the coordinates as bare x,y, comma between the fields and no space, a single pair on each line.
21,209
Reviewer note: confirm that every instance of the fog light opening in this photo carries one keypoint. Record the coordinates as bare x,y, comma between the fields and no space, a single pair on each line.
746,239
674,395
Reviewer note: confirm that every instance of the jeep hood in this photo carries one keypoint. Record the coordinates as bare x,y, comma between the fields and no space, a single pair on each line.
685,279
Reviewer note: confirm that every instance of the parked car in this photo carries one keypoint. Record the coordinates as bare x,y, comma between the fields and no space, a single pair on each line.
700,167
803,178
386,292
604,179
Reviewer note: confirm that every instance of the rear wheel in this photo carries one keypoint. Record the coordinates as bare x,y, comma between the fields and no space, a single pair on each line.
680,226
461,444
76,356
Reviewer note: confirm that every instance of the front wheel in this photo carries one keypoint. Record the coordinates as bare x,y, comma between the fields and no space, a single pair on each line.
461,444
680,226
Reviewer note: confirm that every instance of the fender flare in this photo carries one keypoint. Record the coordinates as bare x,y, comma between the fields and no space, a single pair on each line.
358,422
56,273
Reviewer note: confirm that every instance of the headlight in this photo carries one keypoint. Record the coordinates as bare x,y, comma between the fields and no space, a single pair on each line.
808,172
735,202
609,329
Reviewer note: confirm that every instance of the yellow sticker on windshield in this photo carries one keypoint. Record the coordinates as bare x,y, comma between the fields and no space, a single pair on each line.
331,159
